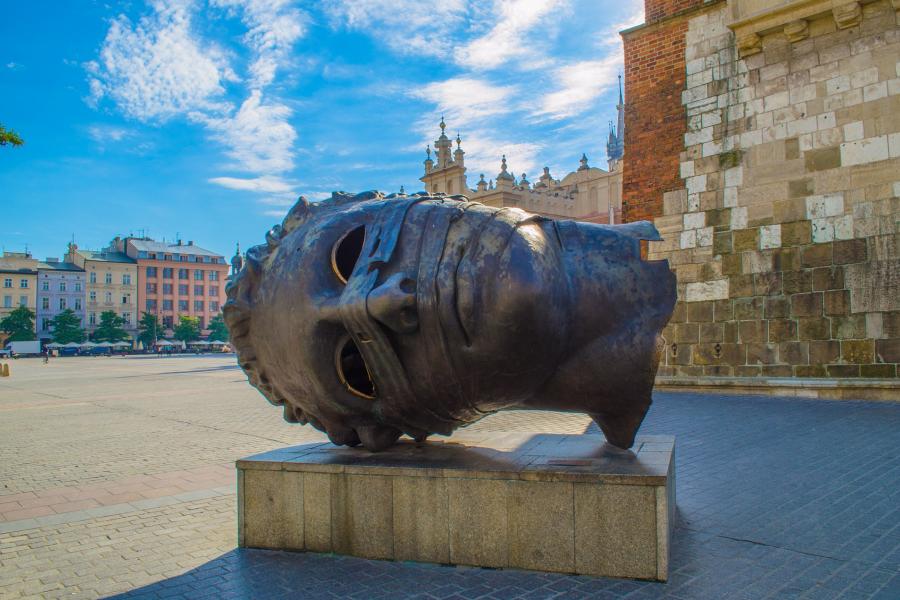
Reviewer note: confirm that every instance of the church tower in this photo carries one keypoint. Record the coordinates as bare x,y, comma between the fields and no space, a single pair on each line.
615,145
447,175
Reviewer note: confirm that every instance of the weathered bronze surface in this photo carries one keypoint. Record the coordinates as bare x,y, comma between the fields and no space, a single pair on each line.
370,316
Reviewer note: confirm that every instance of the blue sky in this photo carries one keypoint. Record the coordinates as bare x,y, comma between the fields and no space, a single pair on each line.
208,118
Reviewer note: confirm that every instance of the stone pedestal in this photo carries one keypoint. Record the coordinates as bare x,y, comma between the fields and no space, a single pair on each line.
550,502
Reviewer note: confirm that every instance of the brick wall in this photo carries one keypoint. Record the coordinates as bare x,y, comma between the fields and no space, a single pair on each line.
654,117
655,10
785,231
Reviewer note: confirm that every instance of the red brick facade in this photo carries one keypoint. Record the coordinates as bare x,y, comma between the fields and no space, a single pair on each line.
655,122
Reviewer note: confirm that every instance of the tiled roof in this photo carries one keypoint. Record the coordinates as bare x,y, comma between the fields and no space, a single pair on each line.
165,248
105,256
58,266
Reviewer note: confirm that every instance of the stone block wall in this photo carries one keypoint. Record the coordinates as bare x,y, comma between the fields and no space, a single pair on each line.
785,229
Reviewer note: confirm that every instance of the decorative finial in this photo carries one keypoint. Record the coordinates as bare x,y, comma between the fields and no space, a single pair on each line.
458,141
584,162
428,151
482,178
503,163
620,89
443,125
402,191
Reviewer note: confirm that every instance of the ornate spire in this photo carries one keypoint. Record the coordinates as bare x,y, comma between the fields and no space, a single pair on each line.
402,191
524,182
583,163
482,184
237,261
615,145
503,174
428,162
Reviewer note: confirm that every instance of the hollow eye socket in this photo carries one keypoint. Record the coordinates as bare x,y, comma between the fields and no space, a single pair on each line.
346,252
352,369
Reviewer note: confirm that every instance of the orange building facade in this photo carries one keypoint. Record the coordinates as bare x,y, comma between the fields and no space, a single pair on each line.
174,280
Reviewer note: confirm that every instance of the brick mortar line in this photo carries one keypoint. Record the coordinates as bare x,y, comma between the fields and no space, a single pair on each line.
114,509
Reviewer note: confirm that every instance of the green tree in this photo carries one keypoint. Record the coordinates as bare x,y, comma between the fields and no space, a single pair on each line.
150,329
10,137
67,327
19,325
110,328
218,331
188,329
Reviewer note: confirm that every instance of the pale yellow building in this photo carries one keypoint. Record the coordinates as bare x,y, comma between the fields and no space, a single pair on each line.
111,285
587,194
18,282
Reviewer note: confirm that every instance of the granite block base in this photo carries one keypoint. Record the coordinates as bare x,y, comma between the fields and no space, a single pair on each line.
548,502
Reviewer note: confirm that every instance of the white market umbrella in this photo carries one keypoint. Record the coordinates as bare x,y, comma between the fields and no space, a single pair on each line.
89,345
140,345
72,345
164,343
122,345
216,343
200,343
54,345
102,345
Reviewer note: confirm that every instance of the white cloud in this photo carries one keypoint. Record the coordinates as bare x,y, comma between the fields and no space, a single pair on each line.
259,137
406,26
466,100
265,184
508,40
273,27
579,85
157,69
108,133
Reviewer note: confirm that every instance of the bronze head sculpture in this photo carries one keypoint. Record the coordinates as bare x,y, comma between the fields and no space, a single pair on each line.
370,317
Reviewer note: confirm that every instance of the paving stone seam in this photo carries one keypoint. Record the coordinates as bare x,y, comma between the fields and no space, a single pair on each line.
113,509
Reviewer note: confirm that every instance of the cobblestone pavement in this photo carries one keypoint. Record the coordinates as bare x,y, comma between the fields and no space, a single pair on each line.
117,478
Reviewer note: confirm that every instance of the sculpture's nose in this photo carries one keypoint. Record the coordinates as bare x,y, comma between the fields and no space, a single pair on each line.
393,303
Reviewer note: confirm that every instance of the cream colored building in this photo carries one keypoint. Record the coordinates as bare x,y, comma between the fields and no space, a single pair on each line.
18,282
111,285
587,194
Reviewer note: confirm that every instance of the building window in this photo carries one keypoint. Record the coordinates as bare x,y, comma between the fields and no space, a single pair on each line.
167,305
127,318
198,290
77,303
151,288
183,289
183,274
182,258
167,322
93,277
126,279
45,303
92,319
167,273
151,271
77,286
109,297
45,286
7,283
126,298
151,304
93,296
45,324
7,301
182,305
62,304
213,290
198,275
23,300
23,283
198,305
213,306
108,279
213,275
62,286
167,289
202,322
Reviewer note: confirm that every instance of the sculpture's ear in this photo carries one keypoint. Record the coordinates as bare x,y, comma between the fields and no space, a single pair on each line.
297,215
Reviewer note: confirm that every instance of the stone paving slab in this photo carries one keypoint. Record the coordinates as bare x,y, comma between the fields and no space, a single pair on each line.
777,497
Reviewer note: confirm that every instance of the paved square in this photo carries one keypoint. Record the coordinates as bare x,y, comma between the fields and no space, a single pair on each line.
117,477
